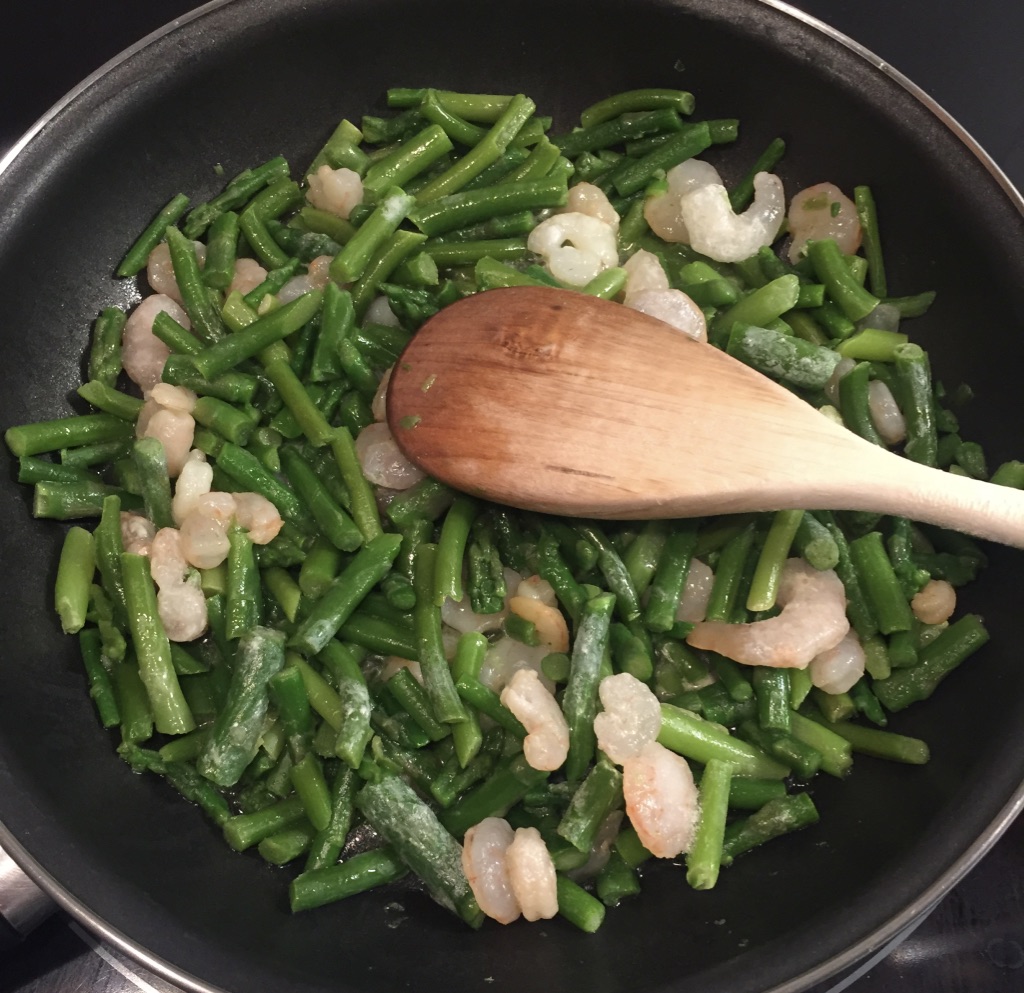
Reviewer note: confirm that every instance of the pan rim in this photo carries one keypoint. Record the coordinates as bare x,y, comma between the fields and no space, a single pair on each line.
882,937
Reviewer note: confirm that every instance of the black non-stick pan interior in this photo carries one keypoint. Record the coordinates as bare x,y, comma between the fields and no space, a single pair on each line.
244,81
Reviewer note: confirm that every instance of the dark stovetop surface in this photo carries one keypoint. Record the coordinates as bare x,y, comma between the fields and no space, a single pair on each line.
966,56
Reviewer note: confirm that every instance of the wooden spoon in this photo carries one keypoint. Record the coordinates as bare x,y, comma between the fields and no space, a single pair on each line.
558,402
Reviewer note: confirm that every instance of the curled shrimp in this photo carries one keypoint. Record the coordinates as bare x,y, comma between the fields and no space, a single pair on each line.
547,739
160,271
643,272
935,602
531,873
576,247
661,799
382,460
137,533
663,212
379,406
248,275
823,211
166,415
673,307
505,657
335,190
483,861
585,198
631,717
813,619
180,603
552,629
143,354
837,668
258,516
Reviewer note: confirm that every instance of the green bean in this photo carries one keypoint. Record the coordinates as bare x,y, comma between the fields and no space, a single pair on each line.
316,887
729,573
251,340
883,744
276,278
634,174
600,792
783,357
104,364
880,583
243,831
235,194
74,577
228,421
364,505
101,689
777,817
150,459
579,702
334,523
199,305
835,751
705,854
421,841
370,564
408,160
631,101
337,149
287,845
872,244
243,608
250,475
451,549
352,260
326,846
66,432
815,543
774,552
830,267
138,255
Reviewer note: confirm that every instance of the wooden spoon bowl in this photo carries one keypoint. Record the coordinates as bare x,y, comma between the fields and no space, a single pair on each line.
559,402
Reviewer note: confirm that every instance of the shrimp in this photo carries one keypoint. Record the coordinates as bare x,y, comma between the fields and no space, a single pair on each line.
382,461
160,271
585,198
459,614
813,619
315,278
204,540
335,190
531,873
693,604
552,629
661,800
258,516
143,354
166,416
180,604
194,481
248,275
380,312
719,233
379,406
137,533
395,662
505,657
575,246
935,602
547,739
673,307
643,272
823,211
885,413
631,717
836,669
483,861
537,588
662,212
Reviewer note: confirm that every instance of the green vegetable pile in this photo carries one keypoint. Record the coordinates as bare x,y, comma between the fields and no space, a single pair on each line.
278,723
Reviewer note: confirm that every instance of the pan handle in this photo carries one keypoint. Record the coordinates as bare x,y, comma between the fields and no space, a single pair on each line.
23,905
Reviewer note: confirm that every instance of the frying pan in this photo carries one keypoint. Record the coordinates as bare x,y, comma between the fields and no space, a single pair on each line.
243,81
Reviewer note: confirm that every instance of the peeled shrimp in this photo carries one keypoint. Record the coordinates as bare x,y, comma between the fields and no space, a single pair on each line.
335,190
505,657
459,614
631,717
194,481
885,413
531,873
552,629
137,533
576,247
537,588
248,275
483,861
935,602
823,211
204,540
381,459
379,406
661,800
643,272
693,604
813,619
547,740
314,278
380,312
143,354
585,198
836,669
662,211
258,516
160,271
180,604
166,416
673,307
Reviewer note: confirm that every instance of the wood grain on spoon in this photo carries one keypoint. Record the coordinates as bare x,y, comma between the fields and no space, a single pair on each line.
554,401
